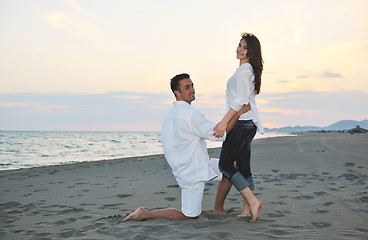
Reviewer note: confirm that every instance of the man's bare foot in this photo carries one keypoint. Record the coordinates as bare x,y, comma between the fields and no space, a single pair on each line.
219,211
255,210
137,215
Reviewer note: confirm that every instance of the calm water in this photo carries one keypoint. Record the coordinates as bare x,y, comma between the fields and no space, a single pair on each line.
25,149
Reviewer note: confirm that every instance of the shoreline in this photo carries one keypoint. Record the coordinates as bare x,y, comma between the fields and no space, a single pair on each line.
312,186
62,148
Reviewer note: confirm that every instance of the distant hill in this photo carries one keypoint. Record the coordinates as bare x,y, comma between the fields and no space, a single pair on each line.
347,124
341,125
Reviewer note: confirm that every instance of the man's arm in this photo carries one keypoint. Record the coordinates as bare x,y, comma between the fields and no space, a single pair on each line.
235,118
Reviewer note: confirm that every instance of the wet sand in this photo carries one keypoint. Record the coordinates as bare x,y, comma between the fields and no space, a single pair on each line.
313,186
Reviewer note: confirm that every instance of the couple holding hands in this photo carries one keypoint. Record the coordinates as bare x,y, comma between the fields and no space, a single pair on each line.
185,130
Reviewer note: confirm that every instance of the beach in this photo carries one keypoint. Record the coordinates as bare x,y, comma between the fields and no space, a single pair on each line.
313,186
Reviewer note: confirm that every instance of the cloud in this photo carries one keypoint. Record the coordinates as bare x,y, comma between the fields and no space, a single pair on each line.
270,125
78,8
14,104
57,20
324,74
121,111
312,108
132,97
302,76
288,111
329,74
79,23
210,101
33,107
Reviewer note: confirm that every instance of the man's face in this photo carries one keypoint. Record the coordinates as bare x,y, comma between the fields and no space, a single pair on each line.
187,92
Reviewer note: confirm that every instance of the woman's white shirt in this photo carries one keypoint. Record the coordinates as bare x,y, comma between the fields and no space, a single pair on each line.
240,91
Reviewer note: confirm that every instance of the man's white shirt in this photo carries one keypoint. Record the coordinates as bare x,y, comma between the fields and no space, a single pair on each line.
184,132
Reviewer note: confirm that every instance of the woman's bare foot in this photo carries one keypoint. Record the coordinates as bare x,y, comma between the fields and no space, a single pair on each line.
137,215
255,210
245,213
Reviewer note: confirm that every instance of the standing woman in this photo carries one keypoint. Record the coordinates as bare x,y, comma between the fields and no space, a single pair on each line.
242,88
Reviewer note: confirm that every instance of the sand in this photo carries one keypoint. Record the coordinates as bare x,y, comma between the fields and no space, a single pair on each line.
313,186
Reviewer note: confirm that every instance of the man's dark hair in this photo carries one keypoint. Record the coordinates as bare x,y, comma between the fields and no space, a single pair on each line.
174,82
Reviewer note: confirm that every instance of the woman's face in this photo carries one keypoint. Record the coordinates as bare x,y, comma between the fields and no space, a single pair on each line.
241,51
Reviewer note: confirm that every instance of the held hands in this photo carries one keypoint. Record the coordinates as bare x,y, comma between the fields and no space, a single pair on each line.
219,129
227,125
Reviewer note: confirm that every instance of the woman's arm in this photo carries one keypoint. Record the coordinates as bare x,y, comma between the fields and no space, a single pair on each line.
227,124
220,128
242,92
233,120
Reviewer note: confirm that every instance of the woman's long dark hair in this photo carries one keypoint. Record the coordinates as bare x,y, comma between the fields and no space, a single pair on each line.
254,54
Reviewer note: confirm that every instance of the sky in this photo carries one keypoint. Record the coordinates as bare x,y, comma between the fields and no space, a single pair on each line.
106,65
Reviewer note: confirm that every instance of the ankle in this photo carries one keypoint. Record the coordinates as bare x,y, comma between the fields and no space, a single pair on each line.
218,209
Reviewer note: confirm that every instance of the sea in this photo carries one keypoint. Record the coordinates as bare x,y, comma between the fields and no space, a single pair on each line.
28,149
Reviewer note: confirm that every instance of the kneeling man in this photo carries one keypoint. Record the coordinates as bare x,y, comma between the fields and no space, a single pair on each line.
184,132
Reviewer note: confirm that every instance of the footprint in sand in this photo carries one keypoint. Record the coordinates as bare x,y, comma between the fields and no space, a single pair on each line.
8,205
42,235
111,206
221,235
328,204
320,193
348,164
67,233
173,186
275,215
40,190
321,224
320,211
71,210
278,203
362,230
278,232
92,226
349,176
52,172
170,199
304,197
156,228
123,195
65,221
81,183
364,199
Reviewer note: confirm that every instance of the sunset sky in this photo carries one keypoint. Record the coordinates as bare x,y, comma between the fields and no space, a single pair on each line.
106,65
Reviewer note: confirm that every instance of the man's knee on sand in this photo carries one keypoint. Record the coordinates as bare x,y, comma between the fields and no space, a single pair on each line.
191,200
